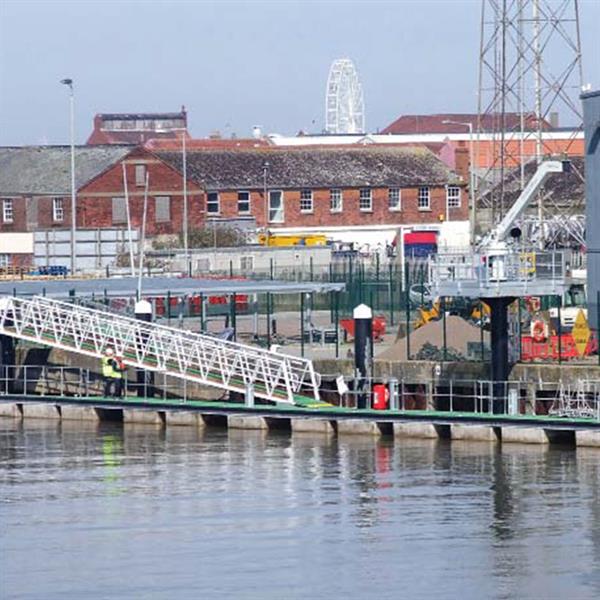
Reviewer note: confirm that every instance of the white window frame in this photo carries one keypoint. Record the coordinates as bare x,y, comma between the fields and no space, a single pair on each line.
281,210
4,260
394,199
212,202
247,264
424,198
118,205
8,210
157,199
453,196
240,201
336,195
140,175
306,202
58,209
362,199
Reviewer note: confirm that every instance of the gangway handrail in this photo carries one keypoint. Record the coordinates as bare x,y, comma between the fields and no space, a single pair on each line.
192,356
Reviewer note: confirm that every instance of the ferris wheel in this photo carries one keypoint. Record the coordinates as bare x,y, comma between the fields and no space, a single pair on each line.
344,103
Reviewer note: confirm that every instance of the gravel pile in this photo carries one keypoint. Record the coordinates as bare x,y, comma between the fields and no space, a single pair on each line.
459,333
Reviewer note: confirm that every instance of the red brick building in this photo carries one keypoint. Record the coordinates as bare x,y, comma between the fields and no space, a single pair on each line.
365,194
35,189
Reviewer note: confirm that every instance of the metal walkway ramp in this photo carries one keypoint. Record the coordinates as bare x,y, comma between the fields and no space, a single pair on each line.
184,354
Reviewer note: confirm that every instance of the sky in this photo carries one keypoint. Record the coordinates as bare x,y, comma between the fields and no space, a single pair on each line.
238,64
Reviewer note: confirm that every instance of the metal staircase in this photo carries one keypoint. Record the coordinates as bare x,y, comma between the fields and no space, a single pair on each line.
191,356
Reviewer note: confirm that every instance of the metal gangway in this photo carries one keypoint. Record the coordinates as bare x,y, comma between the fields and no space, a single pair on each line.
190,356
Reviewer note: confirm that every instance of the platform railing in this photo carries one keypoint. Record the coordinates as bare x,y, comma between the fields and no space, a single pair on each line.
488,269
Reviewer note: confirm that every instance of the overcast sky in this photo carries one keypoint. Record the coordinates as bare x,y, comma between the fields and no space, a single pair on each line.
238,64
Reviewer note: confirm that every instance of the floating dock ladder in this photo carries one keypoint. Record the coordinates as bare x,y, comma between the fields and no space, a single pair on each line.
191,356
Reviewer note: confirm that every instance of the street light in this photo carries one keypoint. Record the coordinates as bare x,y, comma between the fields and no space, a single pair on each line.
69,83
471,172
185,204
265,172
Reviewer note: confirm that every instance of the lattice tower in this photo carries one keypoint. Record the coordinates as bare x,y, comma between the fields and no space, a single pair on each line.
530,69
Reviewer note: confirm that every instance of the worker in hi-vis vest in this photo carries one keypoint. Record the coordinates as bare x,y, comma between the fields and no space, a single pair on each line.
110,373
119,368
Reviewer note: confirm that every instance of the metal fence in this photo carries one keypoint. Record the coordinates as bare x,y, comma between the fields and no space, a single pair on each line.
564,399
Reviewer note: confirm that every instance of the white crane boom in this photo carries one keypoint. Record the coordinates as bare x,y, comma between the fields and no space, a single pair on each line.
500,232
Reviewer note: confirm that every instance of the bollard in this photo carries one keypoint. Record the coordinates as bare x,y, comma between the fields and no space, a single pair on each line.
363,350
145,379
393,391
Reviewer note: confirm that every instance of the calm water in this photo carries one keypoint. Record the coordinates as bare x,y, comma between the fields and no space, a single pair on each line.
144,513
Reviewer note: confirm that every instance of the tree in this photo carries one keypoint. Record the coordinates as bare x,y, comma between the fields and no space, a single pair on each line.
210,237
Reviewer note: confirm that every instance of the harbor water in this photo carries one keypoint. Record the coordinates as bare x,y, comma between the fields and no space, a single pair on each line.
92,512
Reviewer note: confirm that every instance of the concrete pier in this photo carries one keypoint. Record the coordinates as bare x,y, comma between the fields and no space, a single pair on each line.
183,418
143,417
10,409
475,433
312,426
246,422
587,438
39,410
358,427
79,413
416,430
524,435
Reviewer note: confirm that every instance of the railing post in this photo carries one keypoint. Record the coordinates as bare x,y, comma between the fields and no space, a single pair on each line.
249,395
393,392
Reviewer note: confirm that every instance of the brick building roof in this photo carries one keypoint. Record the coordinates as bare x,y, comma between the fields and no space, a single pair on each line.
166,145
408,124
314,168
137,128
47,169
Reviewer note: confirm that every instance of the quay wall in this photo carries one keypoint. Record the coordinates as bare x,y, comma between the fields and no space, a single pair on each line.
455,428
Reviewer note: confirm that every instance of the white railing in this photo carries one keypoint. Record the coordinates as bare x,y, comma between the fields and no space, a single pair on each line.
489,269
190,356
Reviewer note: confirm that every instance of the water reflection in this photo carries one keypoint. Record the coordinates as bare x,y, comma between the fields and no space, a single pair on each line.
314,515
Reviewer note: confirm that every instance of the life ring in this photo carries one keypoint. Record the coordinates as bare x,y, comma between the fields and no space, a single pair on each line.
538,331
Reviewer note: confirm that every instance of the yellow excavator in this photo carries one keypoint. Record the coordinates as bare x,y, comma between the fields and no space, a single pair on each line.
474,311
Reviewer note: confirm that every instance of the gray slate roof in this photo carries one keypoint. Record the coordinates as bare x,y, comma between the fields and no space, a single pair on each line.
47,169
314,168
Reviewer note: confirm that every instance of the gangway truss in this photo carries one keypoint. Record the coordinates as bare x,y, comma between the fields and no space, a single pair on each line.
179,353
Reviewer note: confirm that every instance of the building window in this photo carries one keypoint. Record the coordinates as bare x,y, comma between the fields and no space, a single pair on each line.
366,200
453,196
4,260
8,214
212,203
58,209
335,200
276,209
424,199
246,264
162,209
306,201
119,212
394,199
140,175
243,203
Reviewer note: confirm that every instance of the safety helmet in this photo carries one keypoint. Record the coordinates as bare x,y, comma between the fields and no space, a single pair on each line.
109,351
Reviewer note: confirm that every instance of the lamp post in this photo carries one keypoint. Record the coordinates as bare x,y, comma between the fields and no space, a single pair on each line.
185,204
471,174
265,173
69,83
